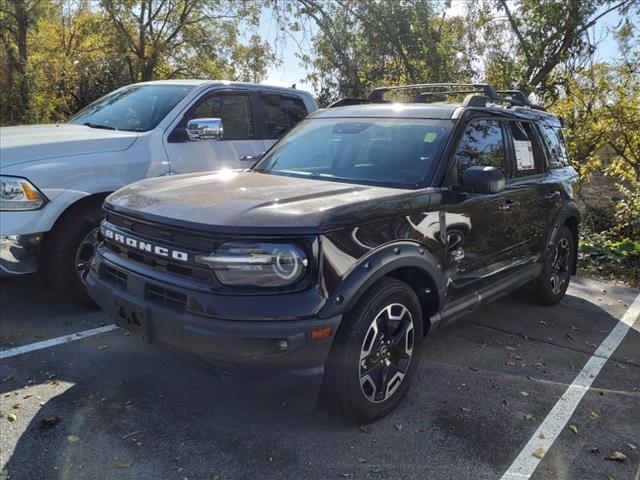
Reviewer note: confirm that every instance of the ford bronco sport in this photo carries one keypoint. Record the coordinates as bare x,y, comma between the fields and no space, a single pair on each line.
368,226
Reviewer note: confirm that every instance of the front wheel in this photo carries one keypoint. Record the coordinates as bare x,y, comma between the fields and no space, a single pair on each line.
554,279
376,352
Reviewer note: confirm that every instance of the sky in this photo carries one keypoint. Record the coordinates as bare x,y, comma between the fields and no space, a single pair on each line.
290,71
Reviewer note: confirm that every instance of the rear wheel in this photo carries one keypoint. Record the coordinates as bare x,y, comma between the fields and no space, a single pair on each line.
71,248
375,353
554,279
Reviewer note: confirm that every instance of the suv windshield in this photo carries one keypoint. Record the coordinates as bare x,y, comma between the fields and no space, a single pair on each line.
137,108
390,152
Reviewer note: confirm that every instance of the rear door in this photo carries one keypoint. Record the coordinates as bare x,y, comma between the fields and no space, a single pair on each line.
280,113
240,145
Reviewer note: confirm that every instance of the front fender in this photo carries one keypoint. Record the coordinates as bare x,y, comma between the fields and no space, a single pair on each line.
568,211
379,263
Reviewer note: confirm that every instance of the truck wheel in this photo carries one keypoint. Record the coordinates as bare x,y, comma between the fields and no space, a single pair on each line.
71,248
375,353
554,279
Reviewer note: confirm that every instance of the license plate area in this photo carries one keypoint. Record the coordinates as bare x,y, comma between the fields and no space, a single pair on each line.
132,317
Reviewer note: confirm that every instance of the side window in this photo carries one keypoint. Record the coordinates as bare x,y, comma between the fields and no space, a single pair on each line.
528,153
281,113
234,110
556,148
481,145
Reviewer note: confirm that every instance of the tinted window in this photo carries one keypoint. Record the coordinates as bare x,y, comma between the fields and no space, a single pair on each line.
138,108
281,113
394,152
526,148
233,109
481,145
555,146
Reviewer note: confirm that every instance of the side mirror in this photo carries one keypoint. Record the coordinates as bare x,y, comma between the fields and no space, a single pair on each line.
205,129
482,180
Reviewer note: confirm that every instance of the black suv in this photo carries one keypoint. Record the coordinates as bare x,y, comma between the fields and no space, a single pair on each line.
367,227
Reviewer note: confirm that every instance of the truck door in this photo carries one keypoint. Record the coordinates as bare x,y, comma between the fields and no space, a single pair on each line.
281,113
240,146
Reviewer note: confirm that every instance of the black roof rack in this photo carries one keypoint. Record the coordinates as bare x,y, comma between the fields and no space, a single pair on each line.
477,95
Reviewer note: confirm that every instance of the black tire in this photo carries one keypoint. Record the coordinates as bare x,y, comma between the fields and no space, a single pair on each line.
342,388
62,251
552,284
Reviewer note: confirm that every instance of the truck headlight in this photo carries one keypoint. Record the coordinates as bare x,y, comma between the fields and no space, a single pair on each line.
257,264
19,194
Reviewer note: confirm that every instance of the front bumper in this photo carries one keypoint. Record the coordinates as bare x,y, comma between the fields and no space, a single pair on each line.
19,254
275,356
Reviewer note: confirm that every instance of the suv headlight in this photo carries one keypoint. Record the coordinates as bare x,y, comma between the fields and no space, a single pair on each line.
257,264
19,194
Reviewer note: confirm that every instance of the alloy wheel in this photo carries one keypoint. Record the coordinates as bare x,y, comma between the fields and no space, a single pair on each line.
386,352
85,253
560,266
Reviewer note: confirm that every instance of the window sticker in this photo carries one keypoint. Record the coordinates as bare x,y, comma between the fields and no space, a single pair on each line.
524,155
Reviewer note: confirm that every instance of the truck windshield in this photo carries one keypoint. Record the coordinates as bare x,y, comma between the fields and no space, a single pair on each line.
137,108
379,151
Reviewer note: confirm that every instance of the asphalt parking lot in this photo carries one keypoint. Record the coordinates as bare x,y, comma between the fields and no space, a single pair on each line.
112,407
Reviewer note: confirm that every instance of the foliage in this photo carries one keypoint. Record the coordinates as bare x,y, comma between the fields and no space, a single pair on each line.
601,256
627,213
60,55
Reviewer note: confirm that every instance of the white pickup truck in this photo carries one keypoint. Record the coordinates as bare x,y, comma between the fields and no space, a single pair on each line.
54,178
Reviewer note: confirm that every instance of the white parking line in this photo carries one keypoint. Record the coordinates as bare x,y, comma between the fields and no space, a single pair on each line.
12,352
526,462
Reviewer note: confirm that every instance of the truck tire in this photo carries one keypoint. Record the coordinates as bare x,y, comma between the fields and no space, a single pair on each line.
375,352
551,285
70,248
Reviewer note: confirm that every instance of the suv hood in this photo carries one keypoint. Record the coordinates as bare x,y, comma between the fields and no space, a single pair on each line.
38,142
243,201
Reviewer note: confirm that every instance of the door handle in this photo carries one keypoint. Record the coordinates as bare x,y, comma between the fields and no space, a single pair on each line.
251,157
508,204
552,195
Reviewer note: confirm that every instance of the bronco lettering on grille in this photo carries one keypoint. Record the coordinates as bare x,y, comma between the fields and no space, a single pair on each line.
145,246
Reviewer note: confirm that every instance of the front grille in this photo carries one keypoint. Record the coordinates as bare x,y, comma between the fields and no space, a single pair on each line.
192,242
165,297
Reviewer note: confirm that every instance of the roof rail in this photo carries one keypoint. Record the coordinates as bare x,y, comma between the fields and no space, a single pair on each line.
476,95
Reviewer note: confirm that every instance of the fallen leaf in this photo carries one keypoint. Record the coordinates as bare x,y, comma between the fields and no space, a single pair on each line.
538,452
574,328
594,414
620,365
569,337
524,393
28,395
631,446
484,344
551,339
103,347
73,438
573,428
399,427
541,435
215,477
617,456
130,434
595,450
511,348
124,465
362,460
16,406
12,417
366,428
546,324
376,470
466,409
49,421
528,416
609,477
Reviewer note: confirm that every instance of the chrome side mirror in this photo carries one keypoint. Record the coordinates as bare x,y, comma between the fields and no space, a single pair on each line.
205,129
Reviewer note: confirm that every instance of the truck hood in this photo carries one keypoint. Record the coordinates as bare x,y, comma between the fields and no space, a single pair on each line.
38,142
247,202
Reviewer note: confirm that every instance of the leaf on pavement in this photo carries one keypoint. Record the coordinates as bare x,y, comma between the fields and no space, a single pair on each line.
617,456
399,427
573,428
609,477
366,428
103,347
632,446
529,416
125,465
466,409
12,417
619,365
574,328
73,438
538,452
594,414
49,421
524,393
595,450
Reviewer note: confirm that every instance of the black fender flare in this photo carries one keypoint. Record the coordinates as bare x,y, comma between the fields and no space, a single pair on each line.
569,210
379,263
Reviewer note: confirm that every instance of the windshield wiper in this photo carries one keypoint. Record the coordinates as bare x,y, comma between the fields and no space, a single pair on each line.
97,125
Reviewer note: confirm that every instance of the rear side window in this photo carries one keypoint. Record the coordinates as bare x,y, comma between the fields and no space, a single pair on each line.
481,145
281,113
528,155
556,148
